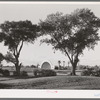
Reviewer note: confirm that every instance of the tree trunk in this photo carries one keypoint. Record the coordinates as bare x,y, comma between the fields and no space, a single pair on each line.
74,65
18,70
17,66
73,70
16,55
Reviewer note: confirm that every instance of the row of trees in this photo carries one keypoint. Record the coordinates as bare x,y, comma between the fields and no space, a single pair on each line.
70,33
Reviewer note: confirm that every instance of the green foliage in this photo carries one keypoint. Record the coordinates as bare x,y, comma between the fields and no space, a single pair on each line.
44,72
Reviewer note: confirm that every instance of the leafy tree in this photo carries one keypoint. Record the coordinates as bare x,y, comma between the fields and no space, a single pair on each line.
71,33
63,63
15,34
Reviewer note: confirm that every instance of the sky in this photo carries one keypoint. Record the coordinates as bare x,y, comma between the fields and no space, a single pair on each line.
36,53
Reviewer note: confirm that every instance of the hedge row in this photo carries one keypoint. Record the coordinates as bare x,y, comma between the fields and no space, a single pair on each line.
44,72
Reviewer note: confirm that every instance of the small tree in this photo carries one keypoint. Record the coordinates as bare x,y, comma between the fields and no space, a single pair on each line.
71,33
14,35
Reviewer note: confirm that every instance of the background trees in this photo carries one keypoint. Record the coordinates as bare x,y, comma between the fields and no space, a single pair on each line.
71,33
14,35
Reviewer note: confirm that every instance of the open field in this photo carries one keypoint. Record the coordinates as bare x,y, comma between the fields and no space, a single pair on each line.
55,82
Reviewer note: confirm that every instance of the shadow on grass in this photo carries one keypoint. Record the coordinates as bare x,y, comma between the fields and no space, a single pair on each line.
5,86
22,77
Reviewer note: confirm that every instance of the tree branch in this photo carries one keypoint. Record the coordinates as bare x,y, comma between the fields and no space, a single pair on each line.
20,48
64,51
71,60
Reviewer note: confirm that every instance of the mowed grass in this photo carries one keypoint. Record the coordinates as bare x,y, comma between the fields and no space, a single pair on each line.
55,82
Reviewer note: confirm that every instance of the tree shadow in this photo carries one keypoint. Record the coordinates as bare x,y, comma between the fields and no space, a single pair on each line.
5,86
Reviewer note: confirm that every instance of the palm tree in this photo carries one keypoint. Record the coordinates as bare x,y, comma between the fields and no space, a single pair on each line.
63,63
59,64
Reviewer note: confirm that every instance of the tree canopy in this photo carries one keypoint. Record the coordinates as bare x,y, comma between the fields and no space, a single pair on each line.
71,33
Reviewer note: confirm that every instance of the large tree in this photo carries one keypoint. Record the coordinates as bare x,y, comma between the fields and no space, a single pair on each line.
71,33
14,35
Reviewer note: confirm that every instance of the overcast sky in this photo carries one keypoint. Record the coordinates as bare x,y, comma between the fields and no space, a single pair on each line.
35,54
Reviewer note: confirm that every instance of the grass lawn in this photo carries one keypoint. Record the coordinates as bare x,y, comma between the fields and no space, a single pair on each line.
55,82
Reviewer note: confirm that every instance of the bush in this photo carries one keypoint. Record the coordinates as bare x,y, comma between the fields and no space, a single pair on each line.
15,73
1,71
95,73
44,72
90,72
6,73
36,72
85,73
56,67
65,68
23,73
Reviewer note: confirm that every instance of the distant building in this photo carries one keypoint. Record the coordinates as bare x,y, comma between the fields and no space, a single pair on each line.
46,65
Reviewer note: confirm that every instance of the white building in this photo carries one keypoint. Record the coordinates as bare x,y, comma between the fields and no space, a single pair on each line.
46,64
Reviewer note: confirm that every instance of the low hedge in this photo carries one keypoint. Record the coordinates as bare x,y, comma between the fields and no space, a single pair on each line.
44,72
22,73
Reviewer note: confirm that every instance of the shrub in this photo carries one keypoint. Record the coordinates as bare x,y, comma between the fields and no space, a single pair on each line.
85,73
65,68
23,73
14,73
6,73
44,72
36,72
95,73
1,71
56,67
90,72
